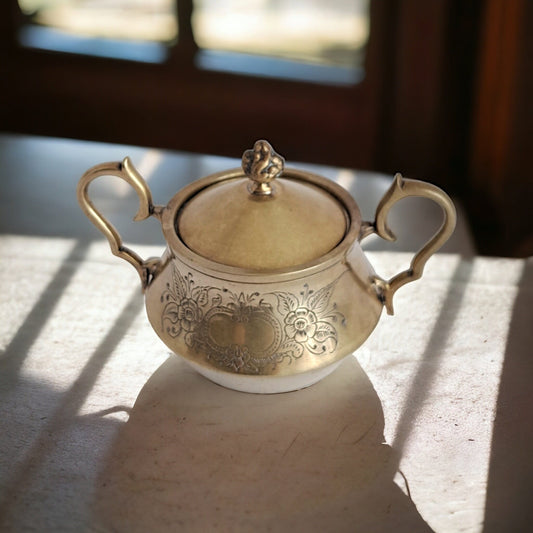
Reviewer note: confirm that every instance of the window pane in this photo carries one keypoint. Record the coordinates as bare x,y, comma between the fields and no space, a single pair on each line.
139,20
313,31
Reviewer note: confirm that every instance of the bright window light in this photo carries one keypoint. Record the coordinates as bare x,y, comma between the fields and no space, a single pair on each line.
312,31
136,20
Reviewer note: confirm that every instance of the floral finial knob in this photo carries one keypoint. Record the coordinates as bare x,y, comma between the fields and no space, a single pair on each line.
262,164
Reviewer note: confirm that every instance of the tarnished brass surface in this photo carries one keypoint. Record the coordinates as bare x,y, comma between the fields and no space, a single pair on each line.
264,274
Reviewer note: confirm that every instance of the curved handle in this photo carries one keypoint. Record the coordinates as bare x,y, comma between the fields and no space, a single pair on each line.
402,188
128,173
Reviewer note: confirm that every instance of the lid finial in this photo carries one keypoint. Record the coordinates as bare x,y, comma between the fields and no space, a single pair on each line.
262,164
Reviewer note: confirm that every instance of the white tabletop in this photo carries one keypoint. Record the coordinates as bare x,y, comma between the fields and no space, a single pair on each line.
426,427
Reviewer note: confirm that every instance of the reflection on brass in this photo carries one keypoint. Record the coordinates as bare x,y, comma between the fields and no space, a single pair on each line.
262,298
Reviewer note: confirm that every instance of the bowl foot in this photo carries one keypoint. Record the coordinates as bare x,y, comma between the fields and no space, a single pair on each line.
264,384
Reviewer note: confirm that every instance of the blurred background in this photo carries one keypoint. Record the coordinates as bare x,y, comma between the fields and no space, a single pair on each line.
438,90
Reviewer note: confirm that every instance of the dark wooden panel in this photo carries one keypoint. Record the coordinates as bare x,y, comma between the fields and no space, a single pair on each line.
502,139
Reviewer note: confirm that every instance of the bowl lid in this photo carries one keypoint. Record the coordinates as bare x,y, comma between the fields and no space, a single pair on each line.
265,218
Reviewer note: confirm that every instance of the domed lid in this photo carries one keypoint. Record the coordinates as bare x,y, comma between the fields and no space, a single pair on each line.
272,220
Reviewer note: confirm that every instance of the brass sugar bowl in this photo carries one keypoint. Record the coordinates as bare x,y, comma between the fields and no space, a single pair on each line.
263,286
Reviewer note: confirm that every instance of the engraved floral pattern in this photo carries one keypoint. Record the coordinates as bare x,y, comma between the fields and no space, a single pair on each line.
237,357
297,324
182,312
310,319
300,325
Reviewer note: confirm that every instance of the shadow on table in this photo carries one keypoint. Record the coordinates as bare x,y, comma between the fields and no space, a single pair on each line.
48,464
195,456
50,452
510,483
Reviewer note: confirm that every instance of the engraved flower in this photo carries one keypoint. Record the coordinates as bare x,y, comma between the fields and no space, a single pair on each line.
238,357
301,324
188,314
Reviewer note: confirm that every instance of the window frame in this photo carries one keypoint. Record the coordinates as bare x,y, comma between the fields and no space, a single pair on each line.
403,116
177,105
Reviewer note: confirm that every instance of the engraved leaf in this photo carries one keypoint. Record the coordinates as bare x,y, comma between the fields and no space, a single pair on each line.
319,300
291,349
180,284
324,331
265,305
200,295
287,302
335,316
189,339
171,312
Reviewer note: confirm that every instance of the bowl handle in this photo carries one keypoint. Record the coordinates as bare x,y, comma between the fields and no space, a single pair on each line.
128,173
402,188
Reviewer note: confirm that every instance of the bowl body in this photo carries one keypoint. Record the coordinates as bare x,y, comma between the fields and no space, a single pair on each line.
264,333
